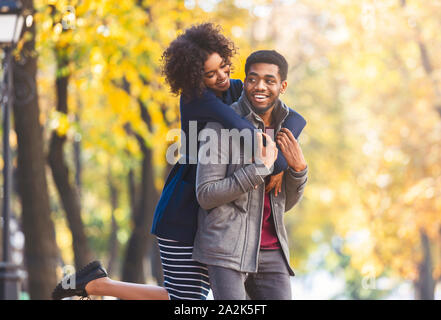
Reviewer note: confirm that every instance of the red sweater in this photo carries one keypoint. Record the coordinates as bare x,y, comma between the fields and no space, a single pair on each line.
268,237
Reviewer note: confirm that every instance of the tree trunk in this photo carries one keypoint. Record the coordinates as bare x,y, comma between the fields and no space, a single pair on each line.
41,253
427,64
77,159
113,241
132,193
425,284
68,193
140,241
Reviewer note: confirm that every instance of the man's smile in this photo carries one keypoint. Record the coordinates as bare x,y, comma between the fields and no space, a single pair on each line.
260,97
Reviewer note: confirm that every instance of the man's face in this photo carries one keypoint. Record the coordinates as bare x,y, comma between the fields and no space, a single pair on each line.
263,86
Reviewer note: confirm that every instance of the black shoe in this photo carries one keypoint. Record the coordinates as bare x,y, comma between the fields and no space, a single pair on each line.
64,289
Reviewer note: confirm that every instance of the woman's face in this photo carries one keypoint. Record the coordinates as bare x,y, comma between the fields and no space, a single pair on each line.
216,74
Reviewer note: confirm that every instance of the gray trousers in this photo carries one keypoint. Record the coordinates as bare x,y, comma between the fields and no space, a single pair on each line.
271,282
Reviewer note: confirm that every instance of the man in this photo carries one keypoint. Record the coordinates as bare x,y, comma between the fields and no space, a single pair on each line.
241,235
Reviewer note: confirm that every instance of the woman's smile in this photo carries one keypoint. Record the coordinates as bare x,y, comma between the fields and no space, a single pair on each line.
223,83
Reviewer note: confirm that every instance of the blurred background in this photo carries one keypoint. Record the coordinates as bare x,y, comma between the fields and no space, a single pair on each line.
91,112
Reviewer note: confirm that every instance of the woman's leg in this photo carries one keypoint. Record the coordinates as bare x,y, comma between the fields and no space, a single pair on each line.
125,290
184,278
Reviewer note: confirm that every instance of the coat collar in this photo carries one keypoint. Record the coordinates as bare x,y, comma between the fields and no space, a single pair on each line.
244,108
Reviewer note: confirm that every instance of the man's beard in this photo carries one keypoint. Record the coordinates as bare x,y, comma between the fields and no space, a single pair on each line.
261,111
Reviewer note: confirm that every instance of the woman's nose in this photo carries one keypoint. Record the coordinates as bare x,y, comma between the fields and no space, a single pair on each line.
222,74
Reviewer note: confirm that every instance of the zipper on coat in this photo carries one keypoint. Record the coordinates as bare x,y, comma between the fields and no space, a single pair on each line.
260,228
246,230
245,241
261,219
277,233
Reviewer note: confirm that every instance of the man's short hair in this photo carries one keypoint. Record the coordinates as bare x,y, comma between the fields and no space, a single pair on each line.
268,56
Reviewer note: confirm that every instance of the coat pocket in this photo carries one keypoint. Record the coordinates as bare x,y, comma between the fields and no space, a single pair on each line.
242,203
221,231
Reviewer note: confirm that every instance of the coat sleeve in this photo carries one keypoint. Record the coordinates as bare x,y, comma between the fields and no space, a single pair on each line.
214,188
294,186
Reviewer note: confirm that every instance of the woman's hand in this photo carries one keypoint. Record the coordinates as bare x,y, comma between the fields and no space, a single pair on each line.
275,182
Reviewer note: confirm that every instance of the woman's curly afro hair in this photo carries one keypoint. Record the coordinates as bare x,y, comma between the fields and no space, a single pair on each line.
183,61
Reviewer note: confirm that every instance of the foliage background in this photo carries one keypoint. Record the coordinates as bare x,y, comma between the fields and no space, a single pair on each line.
365,75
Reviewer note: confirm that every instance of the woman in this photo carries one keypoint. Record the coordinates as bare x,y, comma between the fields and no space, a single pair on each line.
197,66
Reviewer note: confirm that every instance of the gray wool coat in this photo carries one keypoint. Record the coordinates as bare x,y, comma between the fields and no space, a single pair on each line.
231,198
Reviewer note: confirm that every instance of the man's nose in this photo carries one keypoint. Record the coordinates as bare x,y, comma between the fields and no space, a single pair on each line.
260,85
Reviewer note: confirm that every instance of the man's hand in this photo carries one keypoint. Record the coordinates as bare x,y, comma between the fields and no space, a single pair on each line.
291,150
275,182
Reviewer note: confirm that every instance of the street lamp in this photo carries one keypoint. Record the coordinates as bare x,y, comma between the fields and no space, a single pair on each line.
11,23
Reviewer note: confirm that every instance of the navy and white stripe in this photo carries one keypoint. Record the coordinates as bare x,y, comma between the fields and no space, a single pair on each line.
184,278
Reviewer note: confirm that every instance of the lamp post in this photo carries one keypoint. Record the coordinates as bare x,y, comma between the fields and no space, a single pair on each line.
11,23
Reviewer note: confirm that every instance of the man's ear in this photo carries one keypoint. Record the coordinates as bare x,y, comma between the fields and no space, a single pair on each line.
283,86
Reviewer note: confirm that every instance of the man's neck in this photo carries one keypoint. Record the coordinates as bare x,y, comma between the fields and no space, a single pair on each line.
267,117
